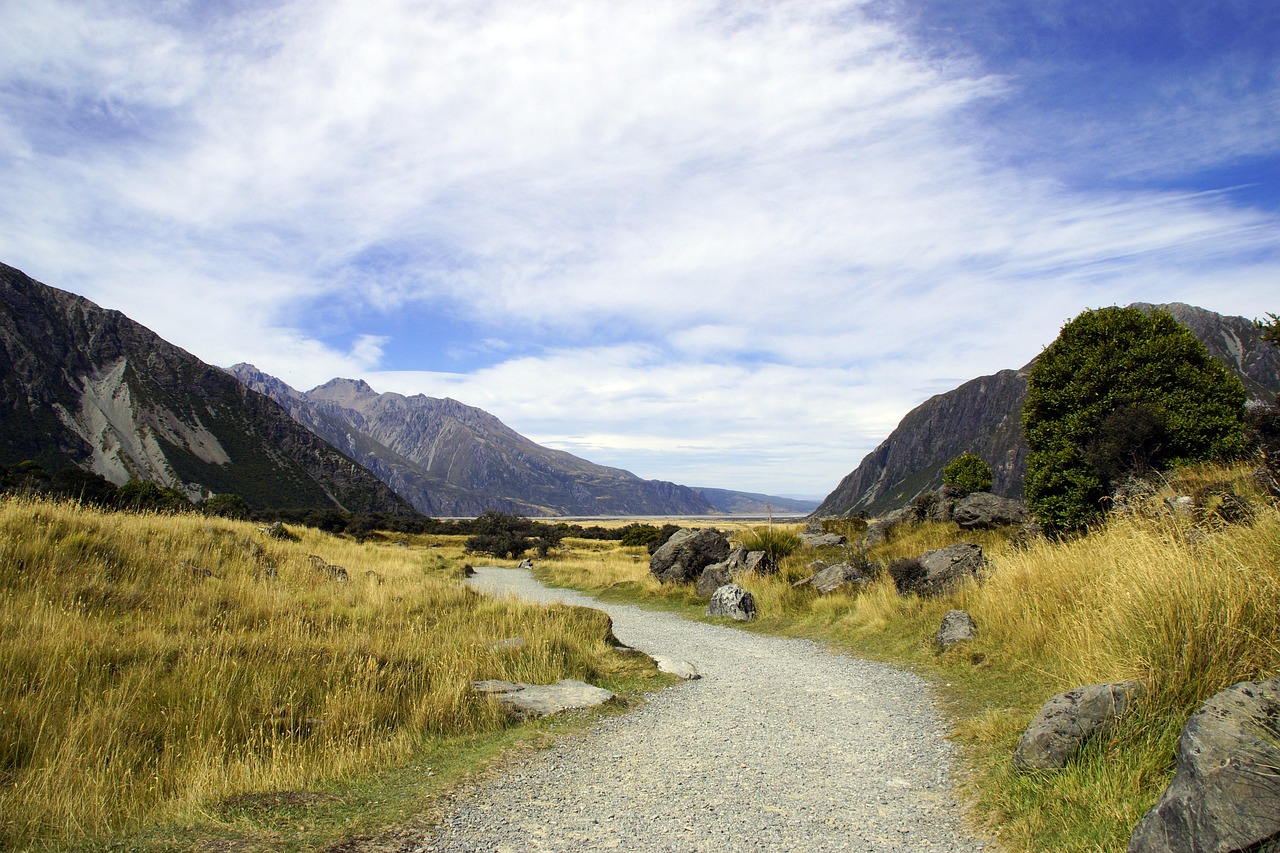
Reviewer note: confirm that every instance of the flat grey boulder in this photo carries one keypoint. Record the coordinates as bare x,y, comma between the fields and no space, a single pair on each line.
943,568
733,601
541,700
957,627
822,540
1225,793
1068,720
683,557
985,511
675,666
840,576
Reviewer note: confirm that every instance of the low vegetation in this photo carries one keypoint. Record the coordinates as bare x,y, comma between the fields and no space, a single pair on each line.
173,670
1187,605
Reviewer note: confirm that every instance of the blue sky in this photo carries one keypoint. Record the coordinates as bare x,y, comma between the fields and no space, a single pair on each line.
722,243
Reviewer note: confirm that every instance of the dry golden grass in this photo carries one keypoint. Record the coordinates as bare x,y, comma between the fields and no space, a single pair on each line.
150,668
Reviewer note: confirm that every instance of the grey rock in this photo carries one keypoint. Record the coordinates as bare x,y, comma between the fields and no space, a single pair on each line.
712,578
822,540
526,563
957,627
1068,720
541,700
683,557
675,666
733,601
879,530
510,644
758,562
1225,794
985,511
943,568
840,576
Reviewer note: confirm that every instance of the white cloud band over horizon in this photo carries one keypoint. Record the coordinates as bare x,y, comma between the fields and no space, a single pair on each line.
724,244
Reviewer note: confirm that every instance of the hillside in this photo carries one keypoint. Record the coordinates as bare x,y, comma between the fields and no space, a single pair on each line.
84,386
983,416
450,459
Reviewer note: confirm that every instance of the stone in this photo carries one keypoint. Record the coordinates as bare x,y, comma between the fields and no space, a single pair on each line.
822,540
541,700
733,601
1068,720
1225,793
943,568
332,572
957,627
510,644
985,511
675,666
712,578
880,529
683,557
526,563
758,562
840,576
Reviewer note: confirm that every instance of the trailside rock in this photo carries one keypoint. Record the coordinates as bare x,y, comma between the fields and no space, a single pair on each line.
675,666
1069,719
957,627
683,557
712,578
541,700
1225,794
945,567
985,511
733,601
822,540
841,575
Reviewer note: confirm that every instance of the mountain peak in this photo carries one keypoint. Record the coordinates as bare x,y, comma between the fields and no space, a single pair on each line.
343,391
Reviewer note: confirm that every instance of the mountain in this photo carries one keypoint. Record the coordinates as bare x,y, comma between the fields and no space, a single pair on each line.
84,386
984,416
449,459
751,503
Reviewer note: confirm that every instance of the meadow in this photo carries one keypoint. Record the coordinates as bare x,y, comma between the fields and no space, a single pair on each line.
167,678
1188,606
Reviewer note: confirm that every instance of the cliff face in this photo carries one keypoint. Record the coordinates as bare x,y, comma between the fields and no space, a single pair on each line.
84,386
984,416
447,458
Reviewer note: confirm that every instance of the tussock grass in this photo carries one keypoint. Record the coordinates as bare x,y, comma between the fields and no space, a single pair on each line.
1187,606
152,668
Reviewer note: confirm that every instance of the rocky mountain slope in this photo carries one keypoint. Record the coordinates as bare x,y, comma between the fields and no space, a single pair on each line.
984,416
449,459
80,385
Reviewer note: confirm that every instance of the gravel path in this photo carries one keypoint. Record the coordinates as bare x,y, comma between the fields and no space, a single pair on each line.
780,746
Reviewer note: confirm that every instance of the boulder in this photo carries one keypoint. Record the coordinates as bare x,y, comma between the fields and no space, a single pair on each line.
957,627
985,511
540,700
943,568
840,576
675,666
1068,720
733,601
712,578
879,530
822,540
758,562
1225,793
683,557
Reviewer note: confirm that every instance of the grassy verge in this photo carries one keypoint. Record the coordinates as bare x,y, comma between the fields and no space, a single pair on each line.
1187,607
156,671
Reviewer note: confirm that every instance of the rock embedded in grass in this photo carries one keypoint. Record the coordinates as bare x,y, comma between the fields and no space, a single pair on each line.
957,627
541,700
733,601
683,557
1068,720
1225,793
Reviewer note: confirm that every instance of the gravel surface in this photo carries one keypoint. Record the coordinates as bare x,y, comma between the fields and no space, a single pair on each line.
781,745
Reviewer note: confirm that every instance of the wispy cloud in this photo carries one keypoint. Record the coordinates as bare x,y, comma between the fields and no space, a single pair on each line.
720,243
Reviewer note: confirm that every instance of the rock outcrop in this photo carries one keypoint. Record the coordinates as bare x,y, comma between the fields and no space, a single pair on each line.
1225,794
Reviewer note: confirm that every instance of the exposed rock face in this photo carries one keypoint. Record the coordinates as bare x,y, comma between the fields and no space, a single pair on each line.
1225,794
984,416
1068,720
957,627
447,458
985,511
733,601
683,557
83,386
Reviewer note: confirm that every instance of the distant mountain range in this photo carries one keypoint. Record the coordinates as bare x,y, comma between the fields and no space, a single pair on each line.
984,416
80,385
449,459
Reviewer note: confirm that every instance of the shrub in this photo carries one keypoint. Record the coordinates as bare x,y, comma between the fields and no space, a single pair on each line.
1118,391
640,535
775,542
968,473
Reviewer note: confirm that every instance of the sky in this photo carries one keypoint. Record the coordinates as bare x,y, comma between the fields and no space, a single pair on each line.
727,244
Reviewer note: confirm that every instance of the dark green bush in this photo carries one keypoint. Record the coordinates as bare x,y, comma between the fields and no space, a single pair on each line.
967,473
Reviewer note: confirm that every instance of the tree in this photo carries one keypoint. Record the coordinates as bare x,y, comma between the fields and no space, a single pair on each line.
1270,328
1122,391
968,473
